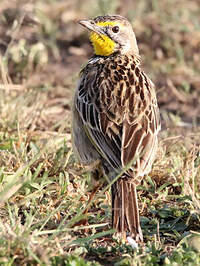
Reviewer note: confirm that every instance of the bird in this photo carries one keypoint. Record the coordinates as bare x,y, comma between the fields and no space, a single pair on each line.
116,118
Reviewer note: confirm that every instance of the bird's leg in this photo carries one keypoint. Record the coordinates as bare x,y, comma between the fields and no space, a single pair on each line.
92,194
96,177
86,168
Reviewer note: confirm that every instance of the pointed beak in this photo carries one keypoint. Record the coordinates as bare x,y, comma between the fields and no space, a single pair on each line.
91,25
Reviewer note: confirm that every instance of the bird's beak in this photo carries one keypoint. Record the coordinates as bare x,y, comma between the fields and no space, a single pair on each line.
91,25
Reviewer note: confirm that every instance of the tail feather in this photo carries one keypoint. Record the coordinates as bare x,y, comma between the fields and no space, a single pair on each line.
125,214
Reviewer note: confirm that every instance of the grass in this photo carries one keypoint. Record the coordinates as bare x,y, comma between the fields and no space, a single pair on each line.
43,190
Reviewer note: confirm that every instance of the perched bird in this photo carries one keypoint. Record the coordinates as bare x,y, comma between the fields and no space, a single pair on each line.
115,117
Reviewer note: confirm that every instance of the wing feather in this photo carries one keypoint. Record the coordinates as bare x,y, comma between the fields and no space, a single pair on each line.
97,126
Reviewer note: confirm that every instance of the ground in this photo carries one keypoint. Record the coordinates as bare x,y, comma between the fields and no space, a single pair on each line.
43,190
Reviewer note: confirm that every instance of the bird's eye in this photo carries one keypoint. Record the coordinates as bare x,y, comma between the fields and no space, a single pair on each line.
115,29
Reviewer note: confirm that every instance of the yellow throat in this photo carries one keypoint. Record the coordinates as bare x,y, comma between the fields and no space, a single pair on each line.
102,44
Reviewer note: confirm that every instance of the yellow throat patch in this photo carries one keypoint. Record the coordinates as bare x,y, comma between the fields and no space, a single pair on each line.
102,44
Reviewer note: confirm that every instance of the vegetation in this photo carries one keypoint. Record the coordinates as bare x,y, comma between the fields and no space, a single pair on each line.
44,192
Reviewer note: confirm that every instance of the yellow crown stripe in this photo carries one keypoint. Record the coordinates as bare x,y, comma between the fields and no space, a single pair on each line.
110,23
107,23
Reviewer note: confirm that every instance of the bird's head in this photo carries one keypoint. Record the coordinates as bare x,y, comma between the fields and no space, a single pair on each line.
110,34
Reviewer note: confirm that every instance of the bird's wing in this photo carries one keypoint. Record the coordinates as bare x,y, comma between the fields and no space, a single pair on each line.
97,125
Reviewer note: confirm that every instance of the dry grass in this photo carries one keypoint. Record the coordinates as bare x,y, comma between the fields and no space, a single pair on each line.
42,196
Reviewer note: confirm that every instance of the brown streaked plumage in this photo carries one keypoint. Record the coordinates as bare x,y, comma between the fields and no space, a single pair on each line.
116,117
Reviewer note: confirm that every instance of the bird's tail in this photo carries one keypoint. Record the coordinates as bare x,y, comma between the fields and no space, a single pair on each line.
125,214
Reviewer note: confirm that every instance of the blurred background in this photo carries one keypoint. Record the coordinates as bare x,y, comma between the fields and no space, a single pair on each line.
42,49
43,195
